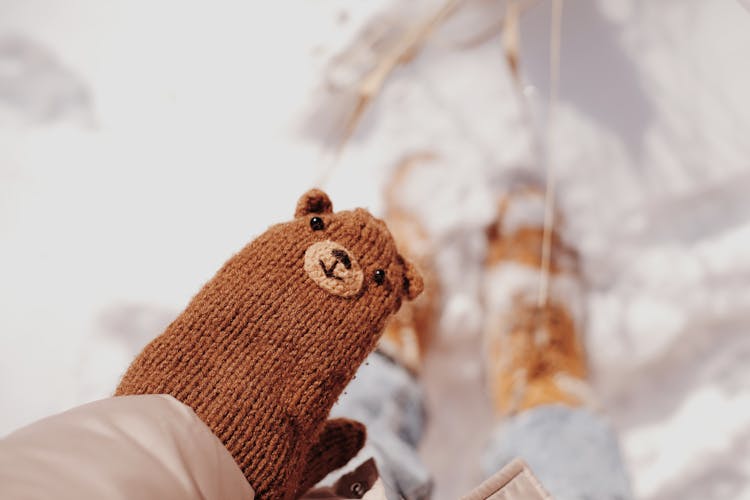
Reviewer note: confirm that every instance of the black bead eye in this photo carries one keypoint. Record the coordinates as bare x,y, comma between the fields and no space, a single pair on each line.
316,223
379,276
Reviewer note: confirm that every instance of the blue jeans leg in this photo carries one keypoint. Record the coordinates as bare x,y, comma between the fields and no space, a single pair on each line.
573,452
390,402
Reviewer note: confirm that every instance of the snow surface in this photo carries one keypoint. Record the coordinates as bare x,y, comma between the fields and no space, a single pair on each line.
143,143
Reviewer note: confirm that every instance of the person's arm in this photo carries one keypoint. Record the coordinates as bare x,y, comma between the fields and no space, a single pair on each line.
148,447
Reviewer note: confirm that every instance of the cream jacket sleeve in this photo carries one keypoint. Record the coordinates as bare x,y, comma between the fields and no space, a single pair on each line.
155,448
145,447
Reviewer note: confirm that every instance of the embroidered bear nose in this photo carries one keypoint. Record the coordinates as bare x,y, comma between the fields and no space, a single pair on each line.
333,268
342,256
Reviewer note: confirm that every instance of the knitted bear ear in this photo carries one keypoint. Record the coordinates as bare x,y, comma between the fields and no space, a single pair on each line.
314,201
413,283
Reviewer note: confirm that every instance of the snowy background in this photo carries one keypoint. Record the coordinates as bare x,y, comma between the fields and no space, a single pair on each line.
142,143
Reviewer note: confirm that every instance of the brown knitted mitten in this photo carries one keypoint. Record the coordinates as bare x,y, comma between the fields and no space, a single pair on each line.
266,347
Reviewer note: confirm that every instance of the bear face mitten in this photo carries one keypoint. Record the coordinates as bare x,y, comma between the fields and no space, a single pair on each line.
263,351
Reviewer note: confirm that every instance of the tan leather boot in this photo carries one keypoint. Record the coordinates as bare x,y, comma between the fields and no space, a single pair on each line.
534,353
407,334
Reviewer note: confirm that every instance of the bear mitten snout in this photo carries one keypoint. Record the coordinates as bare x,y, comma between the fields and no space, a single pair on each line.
263,351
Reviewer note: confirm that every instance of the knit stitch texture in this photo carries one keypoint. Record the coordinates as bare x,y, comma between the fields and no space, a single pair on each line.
263,351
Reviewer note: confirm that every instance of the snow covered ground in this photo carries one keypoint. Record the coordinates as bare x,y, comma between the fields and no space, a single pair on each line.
143,143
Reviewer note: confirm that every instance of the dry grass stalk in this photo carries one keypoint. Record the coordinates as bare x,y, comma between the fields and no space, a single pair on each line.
402,52
512,35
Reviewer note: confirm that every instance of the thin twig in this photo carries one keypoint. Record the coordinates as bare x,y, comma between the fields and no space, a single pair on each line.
512,35
403,51
549,199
